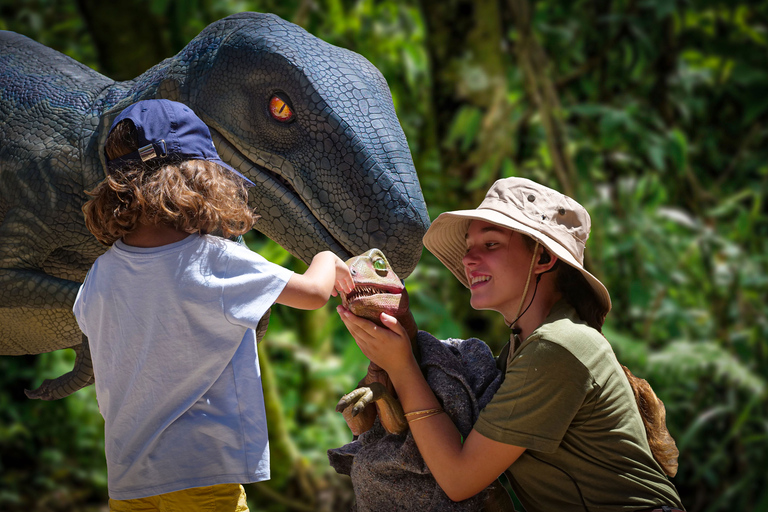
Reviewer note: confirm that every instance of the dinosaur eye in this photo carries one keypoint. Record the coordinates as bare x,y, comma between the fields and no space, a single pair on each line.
380,265
280,109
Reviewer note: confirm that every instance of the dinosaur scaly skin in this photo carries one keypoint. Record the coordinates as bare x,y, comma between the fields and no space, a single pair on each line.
339,176
377,290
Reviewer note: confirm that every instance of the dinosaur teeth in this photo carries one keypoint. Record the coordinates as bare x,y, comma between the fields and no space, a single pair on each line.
363,291
368,291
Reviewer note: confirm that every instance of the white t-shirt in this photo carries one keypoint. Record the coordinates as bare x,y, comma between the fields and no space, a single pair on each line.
172,339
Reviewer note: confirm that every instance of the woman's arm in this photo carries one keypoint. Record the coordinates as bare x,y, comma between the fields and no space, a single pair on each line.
312,289
461,470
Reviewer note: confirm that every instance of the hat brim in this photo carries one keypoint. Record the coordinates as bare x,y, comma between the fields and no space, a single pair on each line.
446,239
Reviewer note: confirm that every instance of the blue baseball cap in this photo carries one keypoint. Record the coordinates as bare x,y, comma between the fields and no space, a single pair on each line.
168,129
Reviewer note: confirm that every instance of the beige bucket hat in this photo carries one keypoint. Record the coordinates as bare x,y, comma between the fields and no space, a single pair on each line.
558,223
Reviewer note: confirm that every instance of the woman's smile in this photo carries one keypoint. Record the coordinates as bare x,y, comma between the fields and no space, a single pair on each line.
478,280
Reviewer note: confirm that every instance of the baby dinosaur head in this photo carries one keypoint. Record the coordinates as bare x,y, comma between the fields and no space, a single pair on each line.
377,290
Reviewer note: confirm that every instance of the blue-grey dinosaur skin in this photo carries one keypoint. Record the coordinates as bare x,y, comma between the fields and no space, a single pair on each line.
339,176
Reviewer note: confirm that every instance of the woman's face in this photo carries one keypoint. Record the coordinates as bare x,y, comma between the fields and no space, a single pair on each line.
496,265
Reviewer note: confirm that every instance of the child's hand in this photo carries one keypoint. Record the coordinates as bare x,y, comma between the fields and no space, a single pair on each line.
344,282
311,289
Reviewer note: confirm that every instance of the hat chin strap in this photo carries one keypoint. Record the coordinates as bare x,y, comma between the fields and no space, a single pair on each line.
513,324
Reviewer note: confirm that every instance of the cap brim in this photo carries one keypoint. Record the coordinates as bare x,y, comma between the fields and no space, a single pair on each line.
446,239
248,183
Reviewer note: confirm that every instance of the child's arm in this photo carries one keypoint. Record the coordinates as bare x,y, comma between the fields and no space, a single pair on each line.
312,289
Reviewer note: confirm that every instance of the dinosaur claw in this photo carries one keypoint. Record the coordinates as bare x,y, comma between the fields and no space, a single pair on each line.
358,398
360,406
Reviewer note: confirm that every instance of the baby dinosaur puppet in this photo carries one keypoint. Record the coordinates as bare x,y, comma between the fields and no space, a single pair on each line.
377,290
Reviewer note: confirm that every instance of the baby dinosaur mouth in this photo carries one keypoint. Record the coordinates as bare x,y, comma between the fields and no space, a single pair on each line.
361,291
369,301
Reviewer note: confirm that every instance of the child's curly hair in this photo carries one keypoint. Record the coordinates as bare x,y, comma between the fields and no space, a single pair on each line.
194,196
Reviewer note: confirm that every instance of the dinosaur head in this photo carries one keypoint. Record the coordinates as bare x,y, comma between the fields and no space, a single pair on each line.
377,290
314,126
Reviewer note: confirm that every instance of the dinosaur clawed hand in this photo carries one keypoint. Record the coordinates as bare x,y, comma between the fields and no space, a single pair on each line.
360,406
358,409
360,398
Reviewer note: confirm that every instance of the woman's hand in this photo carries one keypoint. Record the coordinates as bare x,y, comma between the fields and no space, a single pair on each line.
388,346
461,469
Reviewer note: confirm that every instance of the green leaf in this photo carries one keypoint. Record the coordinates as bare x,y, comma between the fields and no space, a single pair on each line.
465,127
482,177
677,150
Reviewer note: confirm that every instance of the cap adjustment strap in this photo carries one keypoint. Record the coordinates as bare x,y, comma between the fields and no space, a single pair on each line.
148,152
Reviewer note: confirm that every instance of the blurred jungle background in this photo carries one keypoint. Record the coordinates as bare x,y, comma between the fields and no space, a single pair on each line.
652,113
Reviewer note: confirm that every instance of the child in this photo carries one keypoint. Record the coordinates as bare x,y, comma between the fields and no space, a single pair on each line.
170,312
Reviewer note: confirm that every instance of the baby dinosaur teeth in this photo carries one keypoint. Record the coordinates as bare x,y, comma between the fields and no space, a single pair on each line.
361,291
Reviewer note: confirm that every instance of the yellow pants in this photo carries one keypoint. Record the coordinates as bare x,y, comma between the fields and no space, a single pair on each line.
215,498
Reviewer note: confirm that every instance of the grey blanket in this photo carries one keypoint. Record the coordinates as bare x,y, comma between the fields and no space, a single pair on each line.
387,470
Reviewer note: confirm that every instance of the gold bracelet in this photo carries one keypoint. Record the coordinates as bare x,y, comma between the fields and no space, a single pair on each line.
437,411
425,411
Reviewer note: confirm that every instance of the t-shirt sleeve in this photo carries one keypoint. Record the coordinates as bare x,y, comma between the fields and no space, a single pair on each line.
252,284
77,308
544,387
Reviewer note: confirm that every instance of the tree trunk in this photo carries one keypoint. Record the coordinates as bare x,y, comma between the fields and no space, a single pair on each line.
128,36
540,87
465,46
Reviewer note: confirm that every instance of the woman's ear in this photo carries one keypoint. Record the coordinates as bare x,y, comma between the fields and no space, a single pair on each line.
546,261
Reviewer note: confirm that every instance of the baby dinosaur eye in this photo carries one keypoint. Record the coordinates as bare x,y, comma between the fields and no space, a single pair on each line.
380,265
280,109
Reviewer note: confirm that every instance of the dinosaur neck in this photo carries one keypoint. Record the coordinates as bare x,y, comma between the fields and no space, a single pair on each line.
408,322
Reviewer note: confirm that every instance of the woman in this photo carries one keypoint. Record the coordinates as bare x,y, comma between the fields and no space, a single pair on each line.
564,425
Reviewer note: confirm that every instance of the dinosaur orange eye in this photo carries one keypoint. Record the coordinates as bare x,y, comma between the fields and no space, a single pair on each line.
280,109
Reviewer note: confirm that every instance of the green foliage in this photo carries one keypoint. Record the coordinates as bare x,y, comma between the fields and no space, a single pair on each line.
664,118
51,453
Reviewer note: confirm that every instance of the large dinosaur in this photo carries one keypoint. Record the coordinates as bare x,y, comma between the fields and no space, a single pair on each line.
313,125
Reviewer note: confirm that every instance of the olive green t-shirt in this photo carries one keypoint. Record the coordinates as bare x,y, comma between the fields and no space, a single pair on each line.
566,399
